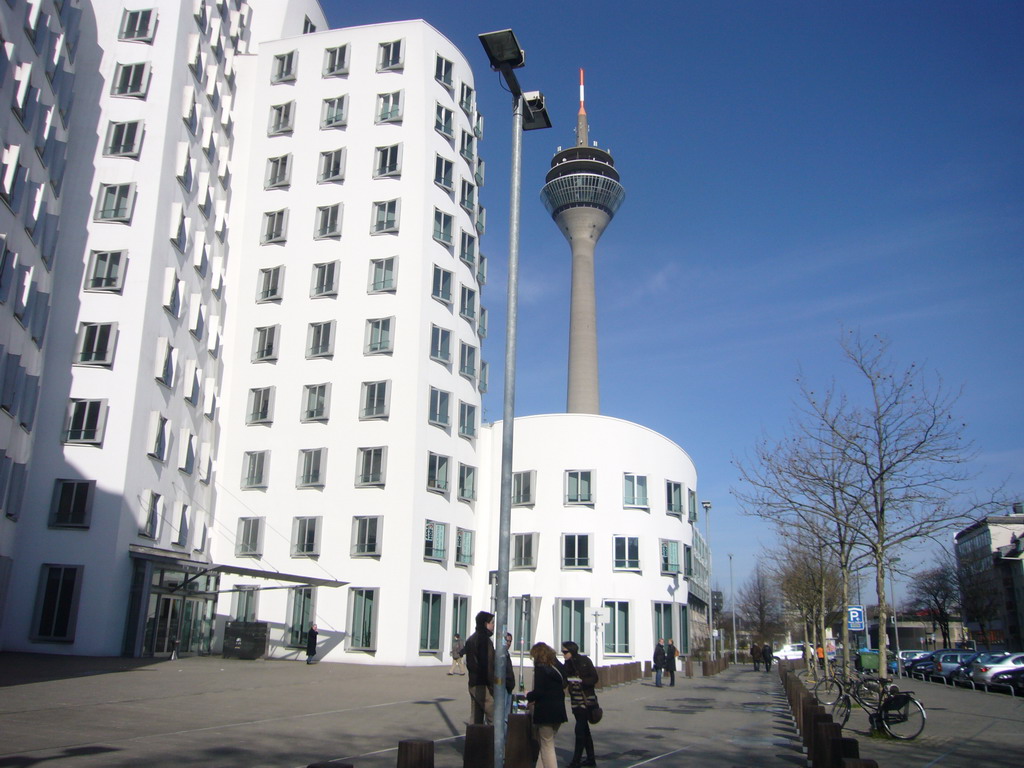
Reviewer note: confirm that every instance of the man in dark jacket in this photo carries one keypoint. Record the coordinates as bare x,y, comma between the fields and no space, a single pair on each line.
671,652
479,653
766,656
659,661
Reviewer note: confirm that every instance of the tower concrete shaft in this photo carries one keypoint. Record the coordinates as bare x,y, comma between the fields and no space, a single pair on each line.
582,194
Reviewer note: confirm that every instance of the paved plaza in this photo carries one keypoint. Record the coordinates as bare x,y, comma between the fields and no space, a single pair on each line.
217,713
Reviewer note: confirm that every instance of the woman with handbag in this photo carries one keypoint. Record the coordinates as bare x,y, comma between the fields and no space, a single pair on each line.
547,702
582,677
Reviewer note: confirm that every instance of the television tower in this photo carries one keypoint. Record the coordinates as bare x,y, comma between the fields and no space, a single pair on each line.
582,194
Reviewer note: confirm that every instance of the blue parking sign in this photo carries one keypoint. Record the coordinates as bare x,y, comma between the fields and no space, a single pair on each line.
855,618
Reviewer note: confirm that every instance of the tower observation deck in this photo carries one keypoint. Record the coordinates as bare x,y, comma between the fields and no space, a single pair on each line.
582,193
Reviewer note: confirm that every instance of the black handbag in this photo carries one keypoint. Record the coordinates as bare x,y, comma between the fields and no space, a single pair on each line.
594,711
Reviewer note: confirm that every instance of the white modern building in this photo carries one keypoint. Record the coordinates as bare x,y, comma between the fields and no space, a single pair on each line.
263,363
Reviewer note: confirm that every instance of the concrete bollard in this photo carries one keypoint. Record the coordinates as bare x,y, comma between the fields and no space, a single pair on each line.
520,751
415,753
638,671
602,677
689,668
479,747
648,670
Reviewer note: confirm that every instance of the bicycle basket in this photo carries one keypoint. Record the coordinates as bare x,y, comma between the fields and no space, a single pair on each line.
896,702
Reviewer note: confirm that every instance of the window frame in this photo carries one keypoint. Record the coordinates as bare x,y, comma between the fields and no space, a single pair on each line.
95,413
133,33
261,398
255,460
380,336
324,279
375,400
630,554
328,222
283,66
303,542
438,473
116,130
331,166
322,394
335,65
249,534
636,498
375,455
124,194
317,346
334,112
520,560
579,499
391,55
131,81
382,275
388,222
434,530
71,510
366,542
579,562
52,614
275,227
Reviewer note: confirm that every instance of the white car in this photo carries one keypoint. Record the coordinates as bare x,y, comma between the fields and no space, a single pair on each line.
986,666
791,652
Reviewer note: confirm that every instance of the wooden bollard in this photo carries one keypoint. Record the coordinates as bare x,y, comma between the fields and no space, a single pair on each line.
479,748
519,744
689,668
638,671
416,753
648,670
602,677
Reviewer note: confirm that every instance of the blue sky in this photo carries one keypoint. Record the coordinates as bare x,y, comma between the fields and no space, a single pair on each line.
791,168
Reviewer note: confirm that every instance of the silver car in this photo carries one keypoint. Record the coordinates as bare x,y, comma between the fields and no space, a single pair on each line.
987,665
948,664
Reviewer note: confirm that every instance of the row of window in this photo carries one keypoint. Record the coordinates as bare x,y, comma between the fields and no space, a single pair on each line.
371,471
85,421
579,488
29,304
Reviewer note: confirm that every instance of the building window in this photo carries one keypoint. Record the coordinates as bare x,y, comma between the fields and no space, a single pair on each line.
316,402
363,626
389,107
444,120
131,80
627,552
56,611
123,139
440,344
435,537
264,344
430,622
150,527
282,119
366,536
575,550
382,275
691,504
674,498
255,469
86,420
300,615
306,537
159,437
616,633
246,602
275,226
481,323
684,630
524,550
283,68
324,280
439,408
523,484
137,26
106,271
441,288
467,248
437,472
312,469
467,482
467,196
332,166
443,71
279,172
442,227
443,173
467,147
663,620
634,490
96,342
261,406
389,56
308,27
270,284
466,98
467,303
388,161
578,487
371,467
336,61
328,218
375,400
249,538
333,113
71,506
463,547
669,557
115,202
467,360
572,624
467,420
378,336
385,216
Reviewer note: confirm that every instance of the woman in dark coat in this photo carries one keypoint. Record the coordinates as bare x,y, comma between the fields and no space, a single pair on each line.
311,644
582,677
548,700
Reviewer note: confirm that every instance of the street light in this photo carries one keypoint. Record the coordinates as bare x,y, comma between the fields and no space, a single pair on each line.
895,623
505,55
711,595
732,602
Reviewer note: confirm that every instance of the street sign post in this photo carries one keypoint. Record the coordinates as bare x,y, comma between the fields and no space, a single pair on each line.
855,618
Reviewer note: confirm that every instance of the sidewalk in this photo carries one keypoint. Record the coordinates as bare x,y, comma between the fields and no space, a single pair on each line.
86,713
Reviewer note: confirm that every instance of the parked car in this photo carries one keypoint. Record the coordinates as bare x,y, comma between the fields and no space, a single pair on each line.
984,668
964,673
1012,677
906,656
949,663
790,652
924,664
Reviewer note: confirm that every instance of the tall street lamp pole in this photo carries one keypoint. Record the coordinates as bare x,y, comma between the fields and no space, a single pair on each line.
732,602
711,591
528,113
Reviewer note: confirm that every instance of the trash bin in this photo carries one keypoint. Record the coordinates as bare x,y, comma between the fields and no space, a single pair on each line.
246,639
869,661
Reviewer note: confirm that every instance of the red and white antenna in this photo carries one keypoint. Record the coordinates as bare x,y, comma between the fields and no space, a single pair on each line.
581,119
583,110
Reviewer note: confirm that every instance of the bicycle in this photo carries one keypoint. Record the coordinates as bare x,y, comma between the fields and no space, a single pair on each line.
897,712
835,683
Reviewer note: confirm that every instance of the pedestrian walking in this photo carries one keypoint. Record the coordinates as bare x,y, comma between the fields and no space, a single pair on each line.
457,667
479,654
671,653
579,672
659,661
766,657
311,643
547,702
510,674
821,656
755,654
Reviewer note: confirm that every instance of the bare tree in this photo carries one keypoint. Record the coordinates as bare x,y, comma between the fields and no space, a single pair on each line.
934,591
758,600
981,597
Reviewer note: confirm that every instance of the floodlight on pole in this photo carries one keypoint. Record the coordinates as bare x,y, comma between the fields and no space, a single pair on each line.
506,55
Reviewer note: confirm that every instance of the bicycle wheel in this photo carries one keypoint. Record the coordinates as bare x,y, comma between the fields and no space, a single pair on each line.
841,709
827,691
903,717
